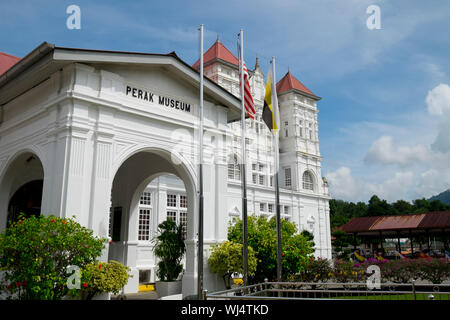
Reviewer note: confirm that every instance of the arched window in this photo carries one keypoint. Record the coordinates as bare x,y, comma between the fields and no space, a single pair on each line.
308,181
234,168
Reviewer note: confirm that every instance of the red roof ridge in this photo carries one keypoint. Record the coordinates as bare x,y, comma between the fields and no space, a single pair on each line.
217,51
7,61
289,82
9,55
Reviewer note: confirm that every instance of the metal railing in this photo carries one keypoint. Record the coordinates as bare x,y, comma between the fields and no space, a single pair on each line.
333,291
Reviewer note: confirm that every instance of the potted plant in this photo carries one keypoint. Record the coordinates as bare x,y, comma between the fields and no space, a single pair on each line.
169,249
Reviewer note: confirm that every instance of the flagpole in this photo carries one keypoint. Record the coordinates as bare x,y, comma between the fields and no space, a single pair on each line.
277,168
244,160
200,213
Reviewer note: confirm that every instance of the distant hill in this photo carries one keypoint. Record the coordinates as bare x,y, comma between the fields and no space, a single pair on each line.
444,197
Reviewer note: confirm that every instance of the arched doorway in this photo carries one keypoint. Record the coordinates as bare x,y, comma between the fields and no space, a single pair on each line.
21,186
135,215
26,201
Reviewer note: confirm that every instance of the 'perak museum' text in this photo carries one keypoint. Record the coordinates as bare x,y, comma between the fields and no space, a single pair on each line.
164,101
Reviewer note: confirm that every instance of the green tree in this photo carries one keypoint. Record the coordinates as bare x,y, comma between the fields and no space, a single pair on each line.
227,258
35,253
402,207
421,205
169,248
378,207
262,237
342,241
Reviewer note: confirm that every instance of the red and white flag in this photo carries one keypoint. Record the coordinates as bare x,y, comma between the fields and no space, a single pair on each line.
248,99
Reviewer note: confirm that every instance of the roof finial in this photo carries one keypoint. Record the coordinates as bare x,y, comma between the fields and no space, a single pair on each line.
257,62
218,38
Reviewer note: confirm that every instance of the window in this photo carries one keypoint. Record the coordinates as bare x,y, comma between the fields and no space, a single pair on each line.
177,210
146,198
172,216
171,200
183,202
144,224
308,182
254,178
260,167
287,177
145,211
261,180
234,170
286,210
110,225
183,222
270,207
262,207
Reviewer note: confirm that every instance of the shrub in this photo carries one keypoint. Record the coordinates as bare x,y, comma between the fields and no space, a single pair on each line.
434,270
35,253
103,277
399,271
169,248
262,237
316,270
345,271
226,259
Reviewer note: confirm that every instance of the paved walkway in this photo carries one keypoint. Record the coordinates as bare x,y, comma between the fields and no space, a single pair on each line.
145,295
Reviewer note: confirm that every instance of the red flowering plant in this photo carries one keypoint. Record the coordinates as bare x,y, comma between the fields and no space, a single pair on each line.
35,253
400,271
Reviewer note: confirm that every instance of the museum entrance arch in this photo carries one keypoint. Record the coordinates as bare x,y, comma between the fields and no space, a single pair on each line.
21,187
131,179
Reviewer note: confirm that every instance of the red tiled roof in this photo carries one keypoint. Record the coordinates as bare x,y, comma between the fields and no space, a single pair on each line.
359,224
429,220
398,222
439,219
289,82
7,61
217,51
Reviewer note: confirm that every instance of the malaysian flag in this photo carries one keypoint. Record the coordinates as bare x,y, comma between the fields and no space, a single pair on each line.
248,99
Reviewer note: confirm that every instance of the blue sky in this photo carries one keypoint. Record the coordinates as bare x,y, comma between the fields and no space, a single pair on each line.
383,120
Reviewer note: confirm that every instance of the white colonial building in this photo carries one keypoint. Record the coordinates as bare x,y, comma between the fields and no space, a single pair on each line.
111,138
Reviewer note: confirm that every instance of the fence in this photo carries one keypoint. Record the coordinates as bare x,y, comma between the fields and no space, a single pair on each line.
334,291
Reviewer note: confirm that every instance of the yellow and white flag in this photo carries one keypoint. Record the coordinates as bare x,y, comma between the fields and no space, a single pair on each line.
270,113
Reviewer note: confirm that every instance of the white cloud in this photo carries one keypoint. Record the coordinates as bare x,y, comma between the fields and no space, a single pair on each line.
383,151
385,162
438,100
438,104
343,185
432,182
